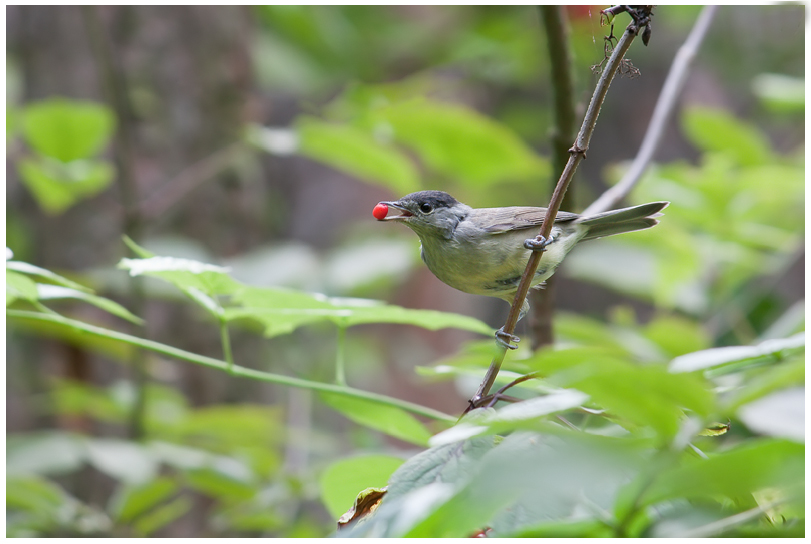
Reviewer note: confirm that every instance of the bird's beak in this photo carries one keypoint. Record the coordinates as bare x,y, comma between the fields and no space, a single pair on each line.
404,213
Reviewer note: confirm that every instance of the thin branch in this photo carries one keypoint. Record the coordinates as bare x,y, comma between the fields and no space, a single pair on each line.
661,115
115,87
174,190
236,370
578,153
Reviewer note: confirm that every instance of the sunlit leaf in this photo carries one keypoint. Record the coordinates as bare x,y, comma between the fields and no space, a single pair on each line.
358,153
461,143
780,414
67,129
386,419
514,416
769,350
183,273
735,473
344,479
56,292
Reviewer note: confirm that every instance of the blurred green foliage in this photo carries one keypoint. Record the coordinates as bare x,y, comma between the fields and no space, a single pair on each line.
612,438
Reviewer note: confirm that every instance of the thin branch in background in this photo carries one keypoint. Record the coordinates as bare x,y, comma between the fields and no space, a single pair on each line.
556,29
661,115
115,87
578,153
176,189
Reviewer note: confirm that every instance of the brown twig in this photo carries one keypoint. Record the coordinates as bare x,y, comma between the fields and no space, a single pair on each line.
661,114
577,153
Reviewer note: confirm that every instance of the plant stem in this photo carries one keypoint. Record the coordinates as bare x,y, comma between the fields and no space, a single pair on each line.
661,114
236,370
556,29
340,366
226,345
577,153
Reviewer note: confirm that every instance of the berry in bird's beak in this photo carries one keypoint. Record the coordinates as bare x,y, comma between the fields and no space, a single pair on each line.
382,209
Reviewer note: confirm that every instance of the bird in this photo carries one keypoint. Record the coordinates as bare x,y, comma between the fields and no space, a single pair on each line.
484,251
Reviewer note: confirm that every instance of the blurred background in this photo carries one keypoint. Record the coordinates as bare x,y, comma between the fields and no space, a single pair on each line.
260,138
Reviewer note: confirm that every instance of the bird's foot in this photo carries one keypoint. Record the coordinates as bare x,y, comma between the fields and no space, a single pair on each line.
537,244
504,339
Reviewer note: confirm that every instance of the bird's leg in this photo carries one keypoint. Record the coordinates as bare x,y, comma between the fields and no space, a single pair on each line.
538,243
505,338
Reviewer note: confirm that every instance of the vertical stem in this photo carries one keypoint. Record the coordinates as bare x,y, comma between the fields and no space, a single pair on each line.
556,29
115,88
340,365
577,153
226,345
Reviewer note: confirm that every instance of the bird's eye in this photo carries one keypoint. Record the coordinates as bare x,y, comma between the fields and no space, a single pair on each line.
426,208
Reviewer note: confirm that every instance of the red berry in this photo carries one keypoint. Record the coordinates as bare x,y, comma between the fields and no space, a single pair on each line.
380,211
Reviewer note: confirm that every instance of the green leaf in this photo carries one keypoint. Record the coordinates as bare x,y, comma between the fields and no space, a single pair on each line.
281,311
787,374
122,460
163,516
460,143
780,93
19,287
219,484
386,419
358,153
57,187
344,479
523,414
67,129
640,395
34,494
130,502
770,350
735,473
47,452
184,274
780,414
55,292
677,335
717,130
31,270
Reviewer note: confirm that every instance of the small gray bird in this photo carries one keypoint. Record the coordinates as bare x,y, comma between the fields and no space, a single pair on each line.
484,251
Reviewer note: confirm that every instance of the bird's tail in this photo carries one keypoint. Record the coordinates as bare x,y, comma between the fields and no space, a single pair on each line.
625,220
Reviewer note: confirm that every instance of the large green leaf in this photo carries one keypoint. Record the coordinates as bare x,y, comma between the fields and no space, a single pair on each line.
344,479
281,311
31,270
523,414
735,473
386,419
737,357
184,274
639,395
358,153
67,130
56,292
460,143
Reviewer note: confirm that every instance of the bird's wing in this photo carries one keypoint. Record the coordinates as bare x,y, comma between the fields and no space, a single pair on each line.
519,218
